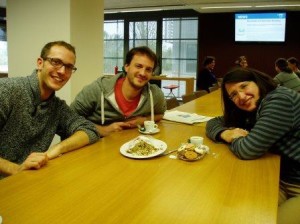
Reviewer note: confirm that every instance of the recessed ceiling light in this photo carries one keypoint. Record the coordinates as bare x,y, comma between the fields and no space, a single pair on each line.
266,6
226,7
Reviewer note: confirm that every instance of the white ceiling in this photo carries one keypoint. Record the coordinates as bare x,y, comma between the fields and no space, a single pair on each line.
197,5
200,5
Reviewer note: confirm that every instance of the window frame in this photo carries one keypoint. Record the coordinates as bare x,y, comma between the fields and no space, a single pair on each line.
158,17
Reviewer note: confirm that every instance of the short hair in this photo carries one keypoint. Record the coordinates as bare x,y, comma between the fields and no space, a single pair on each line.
144,50
46,49
208,60
282,64
293,61
233,116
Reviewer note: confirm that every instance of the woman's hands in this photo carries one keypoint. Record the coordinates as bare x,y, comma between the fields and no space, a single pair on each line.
230,134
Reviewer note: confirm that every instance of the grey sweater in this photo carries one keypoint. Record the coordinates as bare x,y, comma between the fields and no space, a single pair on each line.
277,129
88,102
29,125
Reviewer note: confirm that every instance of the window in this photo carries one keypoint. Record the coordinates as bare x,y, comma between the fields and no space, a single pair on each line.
3,50
172,35
113,45
179,48
143,34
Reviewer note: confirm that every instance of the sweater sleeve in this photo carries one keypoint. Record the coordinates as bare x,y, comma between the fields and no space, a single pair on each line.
5,102
214,127
70,122
87,99
160,105
274,120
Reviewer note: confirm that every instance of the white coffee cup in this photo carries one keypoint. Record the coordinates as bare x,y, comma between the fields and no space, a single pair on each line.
150,126
196,140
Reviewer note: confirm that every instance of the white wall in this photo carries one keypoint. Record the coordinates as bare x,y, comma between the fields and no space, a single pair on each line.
33,23
87,24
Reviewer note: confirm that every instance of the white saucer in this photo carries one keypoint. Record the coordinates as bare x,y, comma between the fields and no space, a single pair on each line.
152,132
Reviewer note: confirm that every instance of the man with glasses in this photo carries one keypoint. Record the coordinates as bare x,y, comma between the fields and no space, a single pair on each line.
31,114
125,100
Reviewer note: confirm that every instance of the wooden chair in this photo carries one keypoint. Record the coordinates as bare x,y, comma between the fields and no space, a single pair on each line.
171,103
199,93
220,80
188,97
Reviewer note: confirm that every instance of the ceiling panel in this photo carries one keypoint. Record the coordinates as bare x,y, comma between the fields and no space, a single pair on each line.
204,6
125,4
198,5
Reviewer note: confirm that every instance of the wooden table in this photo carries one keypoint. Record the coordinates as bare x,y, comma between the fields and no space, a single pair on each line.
207,105
189,82
98,185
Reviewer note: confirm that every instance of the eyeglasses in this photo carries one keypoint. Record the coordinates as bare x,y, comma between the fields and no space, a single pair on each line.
235,94
57,63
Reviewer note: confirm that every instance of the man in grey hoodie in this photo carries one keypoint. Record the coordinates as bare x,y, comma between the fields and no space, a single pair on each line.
126,99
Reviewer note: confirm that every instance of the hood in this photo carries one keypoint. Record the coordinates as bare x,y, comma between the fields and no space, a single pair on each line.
108,92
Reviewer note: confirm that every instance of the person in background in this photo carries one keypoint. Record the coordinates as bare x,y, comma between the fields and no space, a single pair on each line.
206,78
157,70
261,117
286,77
241,62
294,64
125,100
31,114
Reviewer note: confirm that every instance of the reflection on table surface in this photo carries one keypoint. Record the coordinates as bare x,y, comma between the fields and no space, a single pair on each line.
99,185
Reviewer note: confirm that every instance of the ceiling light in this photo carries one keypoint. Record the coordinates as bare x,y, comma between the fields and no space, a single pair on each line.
226,7
131,10
266,6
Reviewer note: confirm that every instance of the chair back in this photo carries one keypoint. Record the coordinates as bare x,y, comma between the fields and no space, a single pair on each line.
171,103
199,93
188,97
213,88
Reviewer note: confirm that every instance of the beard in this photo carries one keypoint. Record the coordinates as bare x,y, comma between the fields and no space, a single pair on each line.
135,84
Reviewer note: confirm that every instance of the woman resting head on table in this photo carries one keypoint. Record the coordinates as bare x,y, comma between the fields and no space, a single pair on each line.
261,117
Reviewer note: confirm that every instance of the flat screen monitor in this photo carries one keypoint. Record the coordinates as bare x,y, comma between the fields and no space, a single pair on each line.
260,27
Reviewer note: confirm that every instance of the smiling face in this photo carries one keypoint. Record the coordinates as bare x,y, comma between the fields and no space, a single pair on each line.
51,78
244,95
139,71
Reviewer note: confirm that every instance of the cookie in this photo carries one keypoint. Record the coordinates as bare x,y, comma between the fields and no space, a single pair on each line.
190,154
189,146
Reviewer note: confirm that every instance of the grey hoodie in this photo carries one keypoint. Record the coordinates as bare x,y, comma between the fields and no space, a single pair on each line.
97,103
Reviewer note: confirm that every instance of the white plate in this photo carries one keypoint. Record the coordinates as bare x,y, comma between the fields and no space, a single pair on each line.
203,147
162,146
156,130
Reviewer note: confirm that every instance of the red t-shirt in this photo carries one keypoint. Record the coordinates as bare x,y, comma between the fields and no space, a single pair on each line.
127,107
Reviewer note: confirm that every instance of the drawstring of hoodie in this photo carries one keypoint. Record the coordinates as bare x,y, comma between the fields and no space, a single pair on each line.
102,109
151,105
151,102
